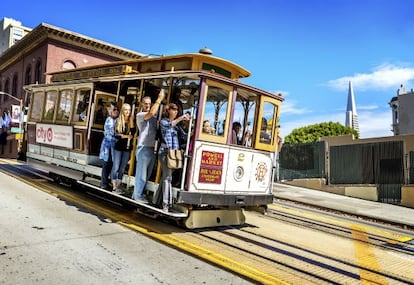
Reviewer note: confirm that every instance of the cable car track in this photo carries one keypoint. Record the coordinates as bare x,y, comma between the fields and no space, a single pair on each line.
258,256
382,238
313,266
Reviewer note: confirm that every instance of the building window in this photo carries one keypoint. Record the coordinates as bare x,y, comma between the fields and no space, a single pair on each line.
28,75
6,89
18,32
68,64
38,71
14,85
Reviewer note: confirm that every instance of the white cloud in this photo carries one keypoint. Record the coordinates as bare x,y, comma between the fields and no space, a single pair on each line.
375,124
289,107
367,107
382,77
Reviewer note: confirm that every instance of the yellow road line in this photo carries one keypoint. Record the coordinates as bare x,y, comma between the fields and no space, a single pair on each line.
9,161
210,256
201,252
365,256
393,237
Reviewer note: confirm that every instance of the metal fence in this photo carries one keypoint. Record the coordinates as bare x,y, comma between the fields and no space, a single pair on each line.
302,161
380,163
371,163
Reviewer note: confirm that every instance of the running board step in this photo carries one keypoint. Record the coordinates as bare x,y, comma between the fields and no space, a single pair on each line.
139,204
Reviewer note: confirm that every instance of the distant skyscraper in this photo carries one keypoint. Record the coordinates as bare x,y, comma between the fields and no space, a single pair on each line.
351,118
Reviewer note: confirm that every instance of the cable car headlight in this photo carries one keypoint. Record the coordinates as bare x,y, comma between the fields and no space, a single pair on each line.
238,173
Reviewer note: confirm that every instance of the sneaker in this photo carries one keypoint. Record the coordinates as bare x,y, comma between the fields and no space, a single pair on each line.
141,200
118,191
107,187
166,208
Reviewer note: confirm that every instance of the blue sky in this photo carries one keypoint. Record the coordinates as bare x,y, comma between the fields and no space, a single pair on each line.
306,49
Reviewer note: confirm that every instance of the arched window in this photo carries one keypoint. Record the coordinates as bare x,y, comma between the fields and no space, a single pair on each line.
68,64
38,71
14,85
28,75
6,89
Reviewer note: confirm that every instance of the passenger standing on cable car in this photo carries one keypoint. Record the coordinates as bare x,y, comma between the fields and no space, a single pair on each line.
176,99
124,131
145,157
169,132
108,144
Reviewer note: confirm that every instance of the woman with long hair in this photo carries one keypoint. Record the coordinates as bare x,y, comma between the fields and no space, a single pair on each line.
170,141
124,132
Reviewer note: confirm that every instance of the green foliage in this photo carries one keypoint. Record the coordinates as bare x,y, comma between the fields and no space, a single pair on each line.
312,133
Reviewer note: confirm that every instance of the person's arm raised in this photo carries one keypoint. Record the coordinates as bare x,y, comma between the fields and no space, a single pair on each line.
155,106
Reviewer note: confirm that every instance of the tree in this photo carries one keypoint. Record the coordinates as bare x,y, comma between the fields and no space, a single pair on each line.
312,133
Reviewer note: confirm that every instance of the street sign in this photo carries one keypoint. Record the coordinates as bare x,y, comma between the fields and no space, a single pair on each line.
19,136
15,130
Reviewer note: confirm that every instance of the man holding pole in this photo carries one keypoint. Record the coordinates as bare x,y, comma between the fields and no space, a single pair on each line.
145,157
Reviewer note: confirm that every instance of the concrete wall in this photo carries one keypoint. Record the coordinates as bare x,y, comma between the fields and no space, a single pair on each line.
317,184
407,196
363,192
366,192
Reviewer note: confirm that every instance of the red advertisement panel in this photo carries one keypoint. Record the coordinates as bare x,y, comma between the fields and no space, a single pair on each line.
211,167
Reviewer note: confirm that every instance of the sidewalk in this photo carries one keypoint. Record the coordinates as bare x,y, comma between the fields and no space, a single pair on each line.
380,211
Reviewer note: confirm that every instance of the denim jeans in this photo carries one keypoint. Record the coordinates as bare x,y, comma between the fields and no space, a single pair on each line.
145,161
106,170
165,187
120,161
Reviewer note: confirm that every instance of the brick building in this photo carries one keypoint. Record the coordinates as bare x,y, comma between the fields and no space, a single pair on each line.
43,50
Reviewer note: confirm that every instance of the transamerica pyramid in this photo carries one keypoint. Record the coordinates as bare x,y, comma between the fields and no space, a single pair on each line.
351,117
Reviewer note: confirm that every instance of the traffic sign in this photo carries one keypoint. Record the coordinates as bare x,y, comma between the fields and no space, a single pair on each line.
15,130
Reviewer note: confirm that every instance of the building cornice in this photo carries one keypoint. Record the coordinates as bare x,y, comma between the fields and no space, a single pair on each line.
44,32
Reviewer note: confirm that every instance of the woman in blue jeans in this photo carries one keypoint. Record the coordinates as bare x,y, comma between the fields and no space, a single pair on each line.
124,132
170,135
107,146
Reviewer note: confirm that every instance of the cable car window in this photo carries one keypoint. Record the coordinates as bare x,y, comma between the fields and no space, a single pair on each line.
50,104
266,129
37,106
65,105
185,91
102,103
80,113
215,111
244,114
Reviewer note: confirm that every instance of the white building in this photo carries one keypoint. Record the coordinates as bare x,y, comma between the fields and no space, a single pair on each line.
11,31
402,107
